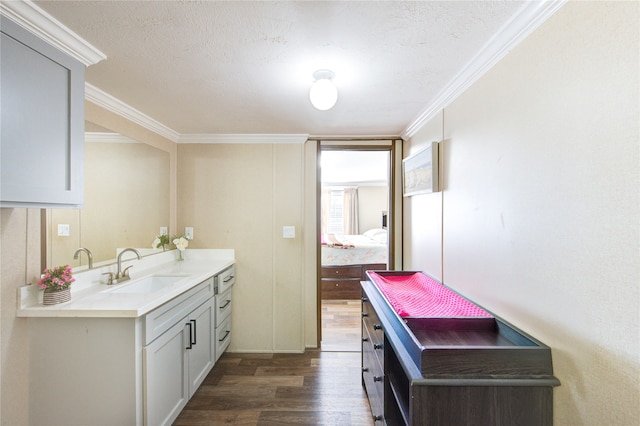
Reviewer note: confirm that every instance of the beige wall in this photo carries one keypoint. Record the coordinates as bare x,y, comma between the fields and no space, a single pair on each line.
109,120
19,265
372,201
240,197
541,203
126,203
537,221
422,214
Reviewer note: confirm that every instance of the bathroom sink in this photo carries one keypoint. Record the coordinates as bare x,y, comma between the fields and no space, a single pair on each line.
148,284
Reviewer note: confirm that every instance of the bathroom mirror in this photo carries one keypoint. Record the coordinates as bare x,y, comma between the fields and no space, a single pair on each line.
126,202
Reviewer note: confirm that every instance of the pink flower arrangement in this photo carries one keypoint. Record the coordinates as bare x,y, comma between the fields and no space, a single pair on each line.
57,278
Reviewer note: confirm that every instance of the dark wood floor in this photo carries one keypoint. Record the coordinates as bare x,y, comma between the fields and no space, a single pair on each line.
318,387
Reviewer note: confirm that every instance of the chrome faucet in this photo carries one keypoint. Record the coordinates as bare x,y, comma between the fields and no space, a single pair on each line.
124,275
89,255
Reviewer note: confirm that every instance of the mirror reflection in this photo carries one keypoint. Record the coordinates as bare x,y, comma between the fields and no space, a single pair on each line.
126,202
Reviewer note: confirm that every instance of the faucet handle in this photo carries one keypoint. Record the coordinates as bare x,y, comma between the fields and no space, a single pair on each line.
110,277
125,273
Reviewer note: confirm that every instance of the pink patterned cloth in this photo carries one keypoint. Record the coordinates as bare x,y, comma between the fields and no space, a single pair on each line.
418,295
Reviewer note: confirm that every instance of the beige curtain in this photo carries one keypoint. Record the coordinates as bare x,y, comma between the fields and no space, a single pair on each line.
350,211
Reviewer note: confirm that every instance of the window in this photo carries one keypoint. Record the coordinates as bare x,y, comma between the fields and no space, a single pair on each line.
335,224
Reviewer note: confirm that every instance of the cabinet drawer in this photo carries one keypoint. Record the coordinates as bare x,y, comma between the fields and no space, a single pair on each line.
164,317
348,271
372,322
225,279
223,336
373,378
223,306
340,288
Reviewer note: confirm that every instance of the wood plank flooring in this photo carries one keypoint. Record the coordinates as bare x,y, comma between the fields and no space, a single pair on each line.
341,325
318,387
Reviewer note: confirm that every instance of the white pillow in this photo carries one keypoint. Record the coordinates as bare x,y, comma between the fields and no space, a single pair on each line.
380,238
379,235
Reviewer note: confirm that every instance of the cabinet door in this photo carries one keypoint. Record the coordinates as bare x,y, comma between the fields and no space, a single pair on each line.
166,375
42,122
201,352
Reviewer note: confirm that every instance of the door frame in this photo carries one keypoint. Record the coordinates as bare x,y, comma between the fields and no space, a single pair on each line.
393,225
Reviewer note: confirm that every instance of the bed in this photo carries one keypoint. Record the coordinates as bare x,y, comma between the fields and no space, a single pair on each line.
346,258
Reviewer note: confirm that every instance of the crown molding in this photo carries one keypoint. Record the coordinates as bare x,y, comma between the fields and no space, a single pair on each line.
44,26
531,16
244,138
375,139
115,105
104,137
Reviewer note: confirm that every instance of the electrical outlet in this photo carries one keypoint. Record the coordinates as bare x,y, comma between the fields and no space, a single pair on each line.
188,232
164,230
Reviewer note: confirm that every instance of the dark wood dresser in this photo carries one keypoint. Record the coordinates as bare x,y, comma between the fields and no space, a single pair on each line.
343,281
451,371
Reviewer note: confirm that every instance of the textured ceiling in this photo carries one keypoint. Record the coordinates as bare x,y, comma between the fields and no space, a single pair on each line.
218,67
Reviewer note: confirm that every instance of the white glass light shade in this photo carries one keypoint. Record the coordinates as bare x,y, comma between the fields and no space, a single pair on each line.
323,94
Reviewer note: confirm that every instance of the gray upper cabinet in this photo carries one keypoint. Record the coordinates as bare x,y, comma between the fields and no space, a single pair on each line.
42,145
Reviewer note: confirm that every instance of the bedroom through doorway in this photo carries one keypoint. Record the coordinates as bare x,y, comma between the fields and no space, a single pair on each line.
354,237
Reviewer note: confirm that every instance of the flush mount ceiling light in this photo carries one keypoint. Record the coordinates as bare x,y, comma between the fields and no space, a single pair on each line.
323,93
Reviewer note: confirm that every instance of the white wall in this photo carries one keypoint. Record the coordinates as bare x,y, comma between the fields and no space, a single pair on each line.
541,203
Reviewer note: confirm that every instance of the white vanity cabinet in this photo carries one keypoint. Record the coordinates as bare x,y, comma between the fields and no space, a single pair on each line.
103,368
179,352
42,122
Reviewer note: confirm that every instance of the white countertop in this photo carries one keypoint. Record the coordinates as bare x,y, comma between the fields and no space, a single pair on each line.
92,298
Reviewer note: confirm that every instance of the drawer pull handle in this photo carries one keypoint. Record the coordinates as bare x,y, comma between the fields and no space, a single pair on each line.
365,299
377,378
365,314
377,326
225,336
190,333
365,369
229,278
377,346
225,305
365,339
195,333
376,418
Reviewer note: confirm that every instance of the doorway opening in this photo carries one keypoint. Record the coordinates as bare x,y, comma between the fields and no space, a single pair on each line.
355,199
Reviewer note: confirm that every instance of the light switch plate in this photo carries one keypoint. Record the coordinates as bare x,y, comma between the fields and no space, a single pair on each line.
288,232
63,230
